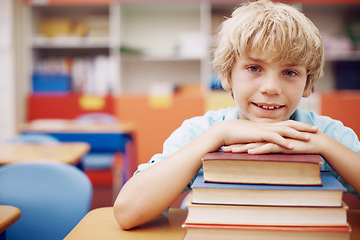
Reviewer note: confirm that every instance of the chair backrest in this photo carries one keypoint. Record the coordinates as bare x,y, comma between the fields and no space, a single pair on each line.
97,118
52,197
33,138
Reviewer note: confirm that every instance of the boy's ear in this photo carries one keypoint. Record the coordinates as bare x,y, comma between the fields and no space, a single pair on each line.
225,82
308,90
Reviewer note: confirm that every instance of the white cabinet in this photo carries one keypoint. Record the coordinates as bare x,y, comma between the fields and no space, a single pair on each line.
149,42
170,41
73,48
332,20
8,75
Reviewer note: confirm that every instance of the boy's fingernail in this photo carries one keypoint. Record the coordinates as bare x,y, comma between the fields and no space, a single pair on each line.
291,146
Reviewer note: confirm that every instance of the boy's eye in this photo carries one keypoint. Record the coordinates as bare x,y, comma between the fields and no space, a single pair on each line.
290,73
253,68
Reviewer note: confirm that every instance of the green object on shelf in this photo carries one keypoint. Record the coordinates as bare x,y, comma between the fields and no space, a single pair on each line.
352,29
128,49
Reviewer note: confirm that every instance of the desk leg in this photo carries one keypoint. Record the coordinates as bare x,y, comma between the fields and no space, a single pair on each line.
118,175
130,159
3,235
80,164
126,164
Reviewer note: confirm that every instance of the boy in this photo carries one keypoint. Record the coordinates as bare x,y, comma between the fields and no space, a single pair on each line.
269,56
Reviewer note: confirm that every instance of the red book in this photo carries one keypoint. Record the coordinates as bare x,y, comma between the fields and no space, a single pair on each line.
235,232
281,169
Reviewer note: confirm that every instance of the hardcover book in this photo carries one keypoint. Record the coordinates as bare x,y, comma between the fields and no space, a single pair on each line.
265,215
286,169
238,232
329,194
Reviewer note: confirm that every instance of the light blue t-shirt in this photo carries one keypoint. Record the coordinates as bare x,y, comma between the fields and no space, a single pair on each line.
193,127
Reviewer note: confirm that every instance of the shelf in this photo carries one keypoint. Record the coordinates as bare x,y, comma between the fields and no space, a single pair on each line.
159,58
160,28
68,2
70,42
342,56
153,41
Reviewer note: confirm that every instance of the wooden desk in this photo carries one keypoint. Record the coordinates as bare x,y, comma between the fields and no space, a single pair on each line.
73,126
70,153
8,216
101,224
104,138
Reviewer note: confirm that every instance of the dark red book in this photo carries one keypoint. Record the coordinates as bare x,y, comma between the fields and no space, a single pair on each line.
282,169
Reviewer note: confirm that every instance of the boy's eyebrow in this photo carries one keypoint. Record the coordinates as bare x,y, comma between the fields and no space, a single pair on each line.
258,60
255,59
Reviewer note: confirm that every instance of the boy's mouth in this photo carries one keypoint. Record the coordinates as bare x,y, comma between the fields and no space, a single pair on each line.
268,106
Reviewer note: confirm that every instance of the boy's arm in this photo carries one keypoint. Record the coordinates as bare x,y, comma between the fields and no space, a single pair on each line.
342,159
152,190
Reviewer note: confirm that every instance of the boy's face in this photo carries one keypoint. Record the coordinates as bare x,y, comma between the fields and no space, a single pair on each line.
266,92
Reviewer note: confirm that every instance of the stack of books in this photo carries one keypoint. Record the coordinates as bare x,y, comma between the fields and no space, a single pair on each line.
272,196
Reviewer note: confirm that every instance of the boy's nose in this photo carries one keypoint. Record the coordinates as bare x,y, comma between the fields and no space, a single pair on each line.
271,85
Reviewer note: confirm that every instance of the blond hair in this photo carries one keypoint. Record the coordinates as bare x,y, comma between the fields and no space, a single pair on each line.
275,30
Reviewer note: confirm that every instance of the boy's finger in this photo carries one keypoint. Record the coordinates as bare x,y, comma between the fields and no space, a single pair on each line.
294,134
267,148
299,126
245,147
273,137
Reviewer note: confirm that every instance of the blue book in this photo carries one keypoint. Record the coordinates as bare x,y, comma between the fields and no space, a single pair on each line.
329,194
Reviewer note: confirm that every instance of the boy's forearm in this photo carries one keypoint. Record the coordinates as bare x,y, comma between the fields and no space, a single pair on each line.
151,191
342,159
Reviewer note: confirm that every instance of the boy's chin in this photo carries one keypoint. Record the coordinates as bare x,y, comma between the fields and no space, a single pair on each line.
263,119
267,120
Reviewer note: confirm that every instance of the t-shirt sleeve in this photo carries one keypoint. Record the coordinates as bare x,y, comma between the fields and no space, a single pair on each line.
344,135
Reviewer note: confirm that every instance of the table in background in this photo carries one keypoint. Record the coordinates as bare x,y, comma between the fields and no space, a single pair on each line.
101,224
8,216
102,138
70,153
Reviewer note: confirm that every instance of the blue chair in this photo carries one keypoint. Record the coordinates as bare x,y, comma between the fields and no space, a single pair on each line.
52,197
97,117
33,138
97,160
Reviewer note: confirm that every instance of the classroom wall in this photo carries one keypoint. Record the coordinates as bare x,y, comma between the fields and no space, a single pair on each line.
343,106
7,85
155,124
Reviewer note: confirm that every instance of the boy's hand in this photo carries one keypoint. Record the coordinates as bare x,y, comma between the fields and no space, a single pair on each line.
243,135
300,147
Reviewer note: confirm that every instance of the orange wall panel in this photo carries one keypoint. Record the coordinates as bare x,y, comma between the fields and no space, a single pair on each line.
154,125
343,106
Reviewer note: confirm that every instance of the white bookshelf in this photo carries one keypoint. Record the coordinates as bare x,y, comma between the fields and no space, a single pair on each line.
173,40
99,40
7,79
161,31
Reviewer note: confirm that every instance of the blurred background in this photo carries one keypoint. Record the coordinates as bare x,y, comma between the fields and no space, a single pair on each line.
147,63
